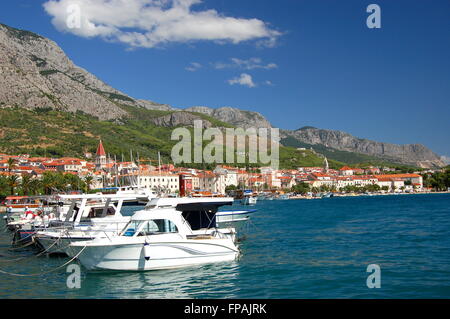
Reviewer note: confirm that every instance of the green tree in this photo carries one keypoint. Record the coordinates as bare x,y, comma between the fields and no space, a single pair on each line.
89,180
13,182
25,184
301,188
35,186
4,186
11,163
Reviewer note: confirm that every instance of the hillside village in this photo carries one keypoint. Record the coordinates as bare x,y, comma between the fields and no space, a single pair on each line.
104,172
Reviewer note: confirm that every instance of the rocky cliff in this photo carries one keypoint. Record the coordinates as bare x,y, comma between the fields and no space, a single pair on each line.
413,154
180,119
35,72
234,116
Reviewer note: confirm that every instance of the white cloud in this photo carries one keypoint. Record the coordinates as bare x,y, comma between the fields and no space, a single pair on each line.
151,23
193,66
269,83
244,79
250,64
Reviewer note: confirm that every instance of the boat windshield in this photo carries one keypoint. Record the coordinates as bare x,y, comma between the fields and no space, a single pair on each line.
151,227
131,228
158,226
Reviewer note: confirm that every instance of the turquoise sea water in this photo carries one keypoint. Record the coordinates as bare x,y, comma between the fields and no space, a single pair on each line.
293,249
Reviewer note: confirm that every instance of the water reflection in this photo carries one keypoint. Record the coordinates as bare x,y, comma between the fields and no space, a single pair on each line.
294,249
211,281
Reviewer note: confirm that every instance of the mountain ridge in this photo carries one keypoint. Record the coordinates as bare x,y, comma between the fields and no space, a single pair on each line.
416,154
36,73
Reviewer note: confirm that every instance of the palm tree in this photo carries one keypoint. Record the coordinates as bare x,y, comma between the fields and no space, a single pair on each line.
89,180
4,185
25,184
11,164
35,186
13,183
49,182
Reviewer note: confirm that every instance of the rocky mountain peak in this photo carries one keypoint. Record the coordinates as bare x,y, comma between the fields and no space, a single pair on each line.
412,154
234,116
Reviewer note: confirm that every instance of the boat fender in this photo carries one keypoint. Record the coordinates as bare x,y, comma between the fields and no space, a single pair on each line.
29,215
147,251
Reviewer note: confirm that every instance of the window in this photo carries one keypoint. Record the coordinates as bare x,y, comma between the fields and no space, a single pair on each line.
131,228
157,227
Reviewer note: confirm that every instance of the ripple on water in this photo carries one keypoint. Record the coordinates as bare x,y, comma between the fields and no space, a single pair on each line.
294,249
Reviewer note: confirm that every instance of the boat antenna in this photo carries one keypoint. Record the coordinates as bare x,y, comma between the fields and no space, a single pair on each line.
139,171
117,170
159,163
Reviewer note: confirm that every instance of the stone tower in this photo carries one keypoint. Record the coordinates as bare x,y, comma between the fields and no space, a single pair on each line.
100,157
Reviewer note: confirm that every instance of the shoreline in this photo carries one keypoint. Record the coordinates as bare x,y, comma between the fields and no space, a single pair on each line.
369,195
3,208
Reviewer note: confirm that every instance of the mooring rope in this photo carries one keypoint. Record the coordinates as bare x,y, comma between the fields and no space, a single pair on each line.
21,247
14,242
46,272
36,255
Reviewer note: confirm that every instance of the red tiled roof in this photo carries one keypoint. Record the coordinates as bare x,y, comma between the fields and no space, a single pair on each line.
398,176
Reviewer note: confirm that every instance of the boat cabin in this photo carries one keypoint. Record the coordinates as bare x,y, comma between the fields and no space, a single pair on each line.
175,215
84,208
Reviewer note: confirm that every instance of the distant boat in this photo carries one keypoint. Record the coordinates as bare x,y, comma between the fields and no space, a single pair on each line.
235,219
20,204
262,197
248,200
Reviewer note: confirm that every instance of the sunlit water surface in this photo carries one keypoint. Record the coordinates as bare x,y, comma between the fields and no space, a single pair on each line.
293,249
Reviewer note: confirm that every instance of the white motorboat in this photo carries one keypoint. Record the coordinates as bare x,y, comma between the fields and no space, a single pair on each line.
169,233
235,219
143,195
249,200
96,216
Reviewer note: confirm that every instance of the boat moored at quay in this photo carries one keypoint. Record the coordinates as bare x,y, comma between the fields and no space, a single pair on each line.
88,217
169,233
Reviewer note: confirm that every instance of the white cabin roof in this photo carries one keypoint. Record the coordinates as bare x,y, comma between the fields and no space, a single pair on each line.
98,196
174,202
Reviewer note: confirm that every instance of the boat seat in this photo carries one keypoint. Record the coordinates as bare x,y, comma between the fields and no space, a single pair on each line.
130,232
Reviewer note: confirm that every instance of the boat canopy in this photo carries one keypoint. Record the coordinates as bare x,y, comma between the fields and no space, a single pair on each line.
200,213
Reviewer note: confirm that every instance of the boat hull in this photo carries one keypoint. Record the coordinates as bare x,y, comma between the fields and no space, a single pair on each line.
61,245
161,256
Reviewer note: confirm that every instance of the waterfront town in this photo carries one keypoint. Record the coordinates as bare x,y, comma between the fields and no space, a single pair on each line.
104,172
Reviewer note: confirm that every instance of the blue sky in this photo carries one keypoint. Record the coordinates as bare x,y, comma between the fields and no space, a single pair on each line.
303,63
